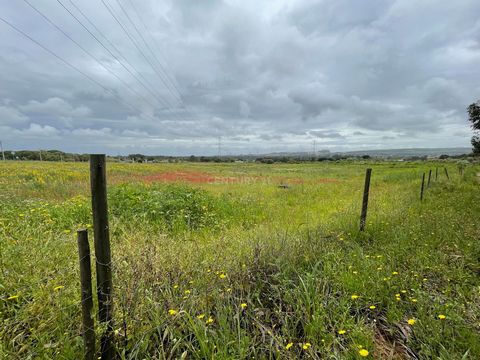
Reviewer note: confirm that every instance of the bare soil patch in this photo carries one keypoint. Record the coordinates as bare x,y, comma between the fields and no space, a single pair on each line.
198,177
189,177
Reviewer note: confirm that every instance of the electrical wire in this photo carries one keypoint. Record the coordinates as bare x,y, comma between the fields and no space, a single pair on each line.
88,53
131,39
70,65
148,48
157,96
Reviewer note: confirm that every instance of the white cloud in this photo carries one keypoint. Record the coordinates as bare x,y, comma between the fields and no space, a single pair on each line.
11,116
55,107
87,132
36,131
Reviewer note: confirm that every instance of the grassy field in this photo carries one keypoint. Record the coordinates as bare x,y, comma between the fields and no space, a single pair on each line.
216,261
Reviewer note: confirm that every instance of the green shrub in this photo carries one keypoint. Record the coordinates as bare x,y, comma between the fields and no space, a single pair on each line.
172,207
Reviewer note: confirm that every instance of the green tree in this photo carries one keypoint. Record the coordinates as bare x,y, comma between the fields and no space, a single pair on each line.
474,117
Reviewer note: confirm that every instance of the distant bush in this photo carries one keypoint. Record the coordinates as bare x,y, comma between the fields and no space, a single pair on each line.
265,160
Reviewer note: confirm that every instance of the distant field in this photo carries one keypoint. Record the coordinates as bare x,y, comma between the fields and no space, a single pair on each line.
217,261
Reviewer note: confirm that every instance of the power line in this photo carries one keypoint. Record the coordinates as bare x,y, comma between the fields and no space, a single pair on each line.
107,40
145,83
132,40
53,54
157,96
148,48
172,77
87,52
135,43
148,89
113,93
173,80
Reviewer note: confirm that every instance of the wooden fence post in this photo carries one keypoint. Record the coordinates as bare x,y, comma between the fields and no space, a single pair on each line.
86,294
423,186
429,177
102,252
436,173
366,190
446,173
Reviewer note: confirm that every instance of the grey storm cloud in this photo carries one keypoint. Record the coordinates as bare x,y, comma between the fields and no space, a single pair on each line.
327,134
257,76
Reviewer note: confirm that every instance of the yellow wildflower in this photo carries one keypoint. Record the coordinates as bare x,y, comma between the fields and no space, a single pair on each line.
372,307
442,317
354,297
209,320
411,321
201,316
222,276
341,332
289,345
363,352
243,305
172,312
306,346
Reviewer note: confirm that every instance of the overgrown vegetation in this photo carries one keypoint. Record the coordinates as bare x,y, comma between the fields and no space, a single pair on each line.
247,269
174,208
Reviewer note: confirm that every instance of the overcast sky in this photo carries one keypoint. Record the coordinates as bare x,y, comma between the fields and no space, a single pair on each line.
182,76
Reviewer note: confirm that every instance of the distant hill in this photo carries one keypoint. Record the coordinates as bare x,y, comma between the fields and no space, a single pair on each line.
383,153
434,152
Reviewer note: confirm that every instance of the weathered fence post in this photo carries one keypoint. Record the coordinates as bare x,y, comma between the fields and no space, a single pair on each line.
366,190
102,252
429,177
436,173
86,294
423,186
446,173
